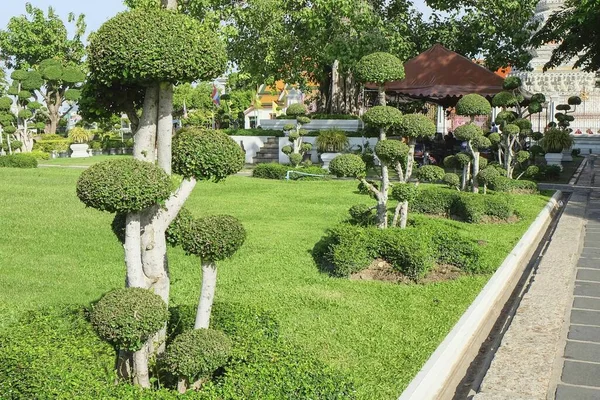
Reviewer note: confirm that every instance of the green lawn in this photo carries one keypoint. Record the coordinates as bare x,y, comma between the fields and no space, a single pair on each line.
79,161
54,250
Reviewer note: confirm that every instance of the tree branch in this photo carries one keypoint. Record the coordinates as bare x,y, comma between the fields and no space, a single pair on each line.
371,187
173,205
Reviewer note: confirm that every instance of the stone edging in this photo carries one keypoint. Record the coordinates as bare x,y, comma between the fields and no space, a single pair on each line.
445,368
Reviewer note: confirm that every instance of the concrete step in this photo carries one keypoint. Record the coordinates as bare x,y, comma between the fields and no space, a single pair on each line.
268,151
266,161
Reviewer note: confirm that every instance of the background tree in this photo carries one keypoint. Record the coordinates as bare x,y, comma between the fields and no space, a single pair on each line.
41,42
575,28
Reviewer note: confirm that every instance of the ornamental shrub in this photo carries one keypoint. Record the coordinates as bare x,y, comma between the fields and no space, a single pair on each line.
512,83
279,171
389,152
295,110
506,117
504,99
472,208
408,250
206,154
5,103
402,192
295,159
486,175
180,227
434,201
451,162
455,249
416,125
511,129
382,117
430,173
532,172
574,100
379,68
347,165
523,124
127,317
345,250
361,214
122,186
214,238
483,163
468,132
472,105
20,160
147,46
40,155
452,180
197,353
504,184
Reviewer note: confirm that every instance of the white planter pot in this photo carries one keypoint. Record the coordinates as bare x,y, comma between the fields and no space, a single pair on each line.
566,155
79,150
554,159
327,157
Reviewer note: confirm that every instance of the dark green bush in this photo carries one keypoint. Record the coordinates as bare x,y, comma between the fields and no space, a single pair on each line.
504,184
347,165
473,105
254,132
391,151
361,214
430,173
180,227
472,208
345,250
295,110
416,125
197,353
18,161
206,154
127,317
434,201
455,249
532,172
408,250
379,68
364,189
451,180
402,192
486,176
279,171
295,159
214,238
124,185
382,117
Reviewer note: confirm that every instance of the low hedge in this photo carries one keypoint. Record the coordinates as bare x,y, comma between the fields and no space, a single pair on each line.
279,171
20,160
507,185
254,132
48,146
348,249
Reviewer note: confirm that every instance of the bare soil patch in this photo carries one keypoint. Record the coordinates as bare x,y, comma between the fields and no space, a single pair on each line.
381,270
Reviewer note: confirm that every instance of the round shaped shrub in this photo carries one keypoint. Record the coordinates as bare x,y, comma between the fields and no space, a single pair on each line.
5,103
534,108
467,132
379,68
390,151
197,353
563,107
430,173
452,180
289,127
504,99
295,159
382,116
451,162
306,147
179,228
505,117
303,121
574,100
512,83
538,98
295,110
416,125
361,214
34,81
522,156
347,165
206,154
287,150
34,105
24,94
537,135
536,150
214,238
483,162
19,75
481,142
146,46
404,192
127,317
293,136
25,114
511,130
122,186
485,176
463,159
532,172
523,123
472,105
72,94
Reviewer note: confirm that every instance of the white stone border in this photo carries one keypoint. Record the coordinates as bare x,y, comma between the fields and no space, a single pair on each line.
447,365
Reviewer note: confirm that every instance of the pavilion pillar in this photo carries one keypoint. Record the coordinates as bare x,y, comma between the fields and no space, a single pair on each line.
441,120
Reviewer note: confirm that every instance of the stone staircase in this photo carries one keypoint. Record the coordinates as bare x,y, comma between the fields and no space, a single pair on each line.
269,153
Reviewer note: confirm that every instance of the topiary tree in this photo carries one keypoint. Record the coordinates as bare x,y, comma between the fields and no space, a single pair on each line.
486,176
452,180
295,134
404,193
213,239
430,173
460,160
348,166
413,127
473,135
127,318
195,355
379,68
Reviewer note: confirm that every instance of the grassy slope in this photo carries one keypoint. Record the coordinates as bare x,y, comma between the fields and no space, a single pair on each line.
379,333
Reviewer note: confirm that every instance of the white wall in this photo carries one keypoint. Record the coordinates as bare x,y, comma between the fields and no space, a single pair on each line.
264,114
348,125
252,145
314,156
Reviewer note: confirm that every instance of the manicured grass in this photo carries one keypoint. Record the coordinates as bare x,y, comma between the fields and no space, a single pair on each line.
54,250
80,161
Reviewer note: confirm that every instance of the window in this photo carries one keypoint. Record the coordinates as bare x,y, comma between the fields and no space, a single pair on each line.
252,122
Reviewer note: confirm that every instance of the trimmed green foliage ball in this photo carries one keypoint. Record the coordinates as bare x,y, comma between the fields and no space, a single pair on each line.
24,95
127,317
483,162
287,150
302,120
122,186
9,129
574,100
179,228
536,149
382,116
505,117
430,173
289,127
147,46
72,94
33,81
34,105
452,180
512,83
206,154
463,159
451,162
472,105
481,142
19,75
523,123
416,125
522,156
295,159
21,160
72,75
504,99
5,103
405,192
391,151
379,68
293,135
361,214
538,98
197,353
563,107
295,110
52,72
468,132
534,108
214,238
511,130
485,176
25,114
347,165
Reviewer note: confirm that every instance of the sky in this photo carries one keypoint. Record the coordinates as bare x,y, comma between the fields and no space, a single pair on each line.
96,11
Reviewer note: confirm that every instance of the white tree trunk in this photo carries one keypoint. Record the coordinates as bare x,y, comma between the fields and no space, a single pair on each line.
145,137
169,4
381,96
141,377
133,258
475,171
410,160
164,131
182,385
154,252
403,214
207,295
465,174
382,199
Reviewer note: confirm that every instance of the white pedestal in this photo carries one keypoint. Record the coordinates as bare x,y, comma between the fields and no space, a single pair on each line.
326,158
79,150
554,159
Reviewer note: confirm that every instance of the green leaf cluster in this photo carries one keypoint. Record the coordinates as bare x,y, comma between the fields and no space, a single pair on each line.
379,68
382,117
214,238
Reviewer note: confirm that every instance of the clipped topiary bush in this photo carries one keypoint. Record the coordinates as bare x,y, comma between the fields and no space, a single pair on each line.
206,154
295,159
361,214
347,165
122,186
468,132
379,68
507,185
382,117
197,354
486,176
128,317
430,173
472,105
295,110
214,238
18,161
416,125
390,152
452,180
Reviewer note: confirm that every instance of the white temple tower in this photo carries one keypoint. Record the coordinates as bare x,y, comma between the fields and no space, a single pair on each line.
562,82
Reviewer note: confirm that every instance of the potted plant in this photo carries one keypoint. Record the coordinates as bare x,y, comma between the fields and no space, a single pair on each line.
79,137
555,140
330,143
96,147
129,146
